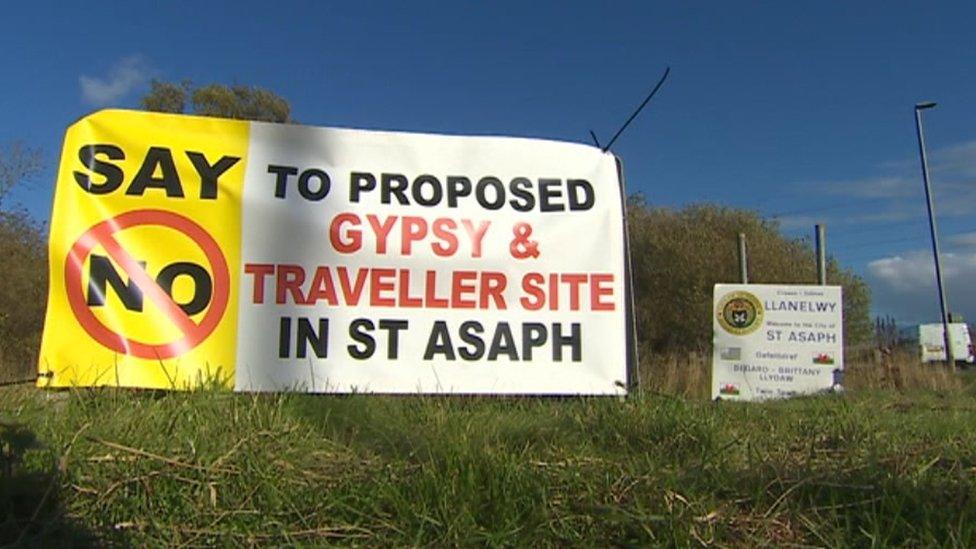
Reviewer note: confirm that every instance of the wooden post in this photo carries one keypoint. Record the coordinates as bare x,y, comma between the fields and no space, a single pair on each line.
743,260
821,238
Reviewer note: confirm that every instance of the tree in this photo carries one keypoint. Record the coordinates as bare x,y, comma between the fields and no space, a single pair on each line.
238,102
18,163
23,294
678,255
166,97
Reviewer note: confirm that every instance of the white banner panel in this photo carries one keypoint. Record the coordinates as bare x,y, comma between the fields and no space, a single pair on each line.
405,263
276,257
773,341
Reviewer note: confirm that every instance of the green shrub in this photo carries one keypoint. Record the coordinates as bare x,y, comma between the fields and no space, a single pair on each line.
23,294
679,255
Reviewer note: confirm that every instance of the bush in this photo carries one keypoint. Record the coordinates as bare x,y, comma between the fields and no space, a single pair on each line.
679,255
23,294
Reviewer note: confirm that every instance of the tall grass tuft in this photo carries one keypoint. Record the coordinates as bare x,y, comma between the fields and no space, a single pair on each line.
688,375
108,466
902,370
680,374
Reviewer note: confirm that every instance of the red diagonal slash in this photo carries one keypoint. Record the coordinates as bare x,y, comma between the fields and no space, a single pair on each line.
112,338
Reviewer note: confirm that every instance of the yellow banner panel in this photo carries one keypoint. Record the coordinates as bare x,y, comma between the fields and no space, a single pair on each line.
144,252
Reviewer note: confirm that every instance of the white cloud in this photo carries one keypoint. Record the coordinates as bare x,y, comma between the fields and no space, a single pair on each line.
874,187
891,213
789,222
964,240
897,192
129,73
904,285
957,160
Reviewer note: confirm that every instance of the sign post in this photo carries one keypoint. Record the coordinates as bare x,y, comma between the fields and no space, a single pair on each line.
776,341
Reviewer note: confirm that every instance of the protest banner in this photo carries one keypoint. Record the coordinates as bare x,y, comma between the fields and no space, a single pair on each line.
316,259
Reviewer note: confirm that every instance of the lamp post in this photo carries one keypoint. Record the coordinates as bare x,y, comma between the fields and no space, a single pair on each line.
919,107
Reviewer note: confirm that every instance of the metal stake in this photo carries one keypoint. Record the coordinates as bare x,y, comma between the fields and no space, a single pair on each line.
821,255
943,303
743,260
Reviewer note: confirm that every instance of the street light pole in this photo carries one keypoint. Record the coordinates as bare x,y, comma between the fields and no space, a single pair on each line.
950,356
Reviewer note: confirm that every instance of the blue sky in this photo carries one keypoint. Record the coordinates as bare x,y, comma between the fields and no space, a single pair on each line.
800,110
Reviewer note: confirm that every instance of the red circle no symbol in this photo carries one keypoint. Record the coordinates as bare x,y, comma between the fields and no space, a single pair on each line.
103,234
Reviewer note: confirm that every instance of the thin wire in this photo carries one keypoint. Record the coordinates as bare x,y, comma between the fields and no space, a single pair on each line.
595,140
17,382
667,71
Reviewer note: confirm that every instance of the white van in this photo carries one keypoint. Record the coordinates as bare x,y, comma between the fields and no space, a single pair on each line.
932,344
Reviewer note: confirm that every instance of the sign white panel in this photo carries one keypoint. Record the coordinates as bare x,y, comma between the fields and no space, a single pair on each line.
405,263
774,341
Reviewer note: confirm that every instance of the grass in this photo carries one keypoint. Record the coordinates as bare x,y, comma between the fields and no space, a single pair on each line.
877,465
